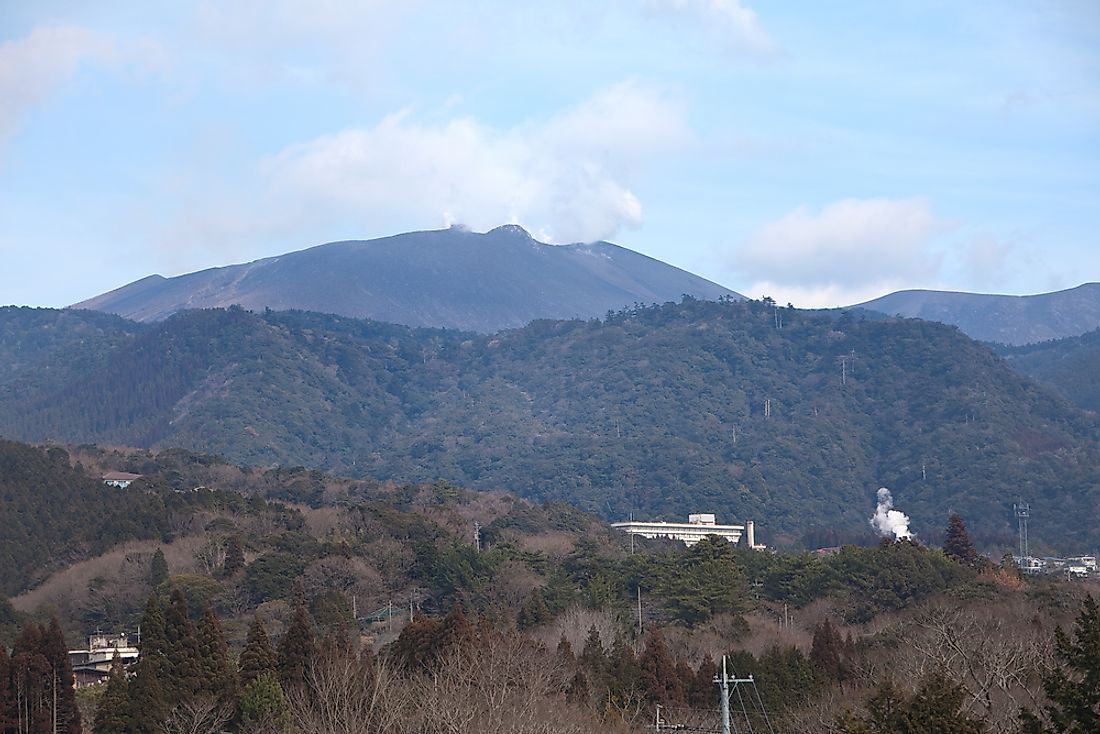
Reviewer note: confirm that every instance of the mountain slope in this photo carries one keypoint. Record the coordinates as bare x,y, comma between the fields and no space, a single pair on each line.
452,278
1002,319
662,411
1070,366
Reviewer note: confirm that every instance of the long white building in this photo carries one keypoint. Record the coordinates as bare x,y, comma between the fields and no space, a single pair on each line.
691,532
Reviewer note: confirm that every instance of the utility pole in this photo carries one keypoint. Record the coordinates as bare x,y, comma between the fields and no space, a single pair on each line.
639,612
723,682
767,407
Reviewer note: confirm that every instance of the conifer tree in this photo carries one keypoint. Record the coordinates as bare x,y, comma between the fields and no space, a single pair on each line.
158,569
112,715
827,651
593,655
257,657
658,671
1073,687
29,675
263,705
577,690
148,705
234,556
957,545
65,715
701,691
7,699
181,678
565,651
153,645
296,650
216,674
534,611
624,677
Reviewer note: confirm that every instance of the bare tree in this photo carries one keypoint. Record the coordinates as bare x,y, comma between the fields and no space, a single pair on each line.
345,694
199,716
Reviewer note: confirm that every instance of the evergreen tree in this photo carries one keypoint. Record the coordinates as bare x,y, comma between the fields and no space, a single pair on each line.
830,653
565,651
158,569
148,705
257,657
234,556
7,699
216,674
296,650
659,676
593,655
534,611
263,705
624,677
65,715
153,645
182,678
957,545
1073,687
30,673
935,708
577,691
702,691
112,715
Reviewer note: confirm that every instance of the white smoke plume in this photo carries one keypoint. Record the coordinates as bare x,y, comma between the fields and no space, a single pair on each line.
887,521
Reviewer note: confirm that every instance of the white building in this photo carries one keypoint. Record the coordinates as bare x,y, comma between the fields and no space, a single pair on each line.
93,664
120,479
691,532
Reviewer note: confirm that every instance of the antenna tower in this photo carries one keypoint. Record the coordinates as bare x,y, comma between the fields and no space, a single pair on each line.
1023,512
477,536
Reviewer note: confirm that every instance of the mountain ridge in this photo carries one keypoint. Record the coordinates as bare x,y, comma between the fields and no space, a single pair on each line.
1004,319
450,278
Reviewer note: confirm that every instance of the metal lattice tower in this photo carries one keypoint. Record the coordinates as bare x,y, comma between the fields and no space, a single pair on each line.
1023,512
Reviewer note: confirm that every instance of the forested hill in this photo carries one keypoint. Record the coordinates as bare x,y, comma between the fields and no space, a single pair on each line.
1070,366
661,411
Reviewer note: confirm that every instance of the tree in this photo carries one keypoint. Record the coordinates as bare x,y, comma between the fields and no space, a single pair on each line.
296,650
830,653
216,674
263,705
257,657
957,545
64,711
181,678
701,691
7,700
1073,687
935,708
112,715
158,569
659,676
154,645
234,556
148,706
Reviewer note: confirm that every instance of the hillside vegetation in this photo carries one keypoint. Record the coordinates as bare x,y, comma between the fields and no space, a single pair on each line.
790,418
1069,366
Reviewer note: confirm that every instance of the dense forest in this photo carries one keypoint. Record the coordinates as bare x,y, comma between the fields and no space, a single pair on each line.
1070,366
288,600
746,409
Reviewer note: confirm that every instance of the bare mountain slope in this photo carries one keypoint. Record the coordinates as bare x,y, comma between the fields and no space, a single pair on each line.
1003,319
446,278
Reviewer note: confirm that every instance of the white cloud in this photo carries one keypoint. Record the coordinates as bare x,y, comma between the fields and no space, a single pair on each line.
33,67
735,24
849,251
566,178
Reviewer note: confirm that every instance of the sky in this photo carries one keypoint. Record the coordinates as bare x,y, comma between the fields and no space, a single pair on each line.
818,153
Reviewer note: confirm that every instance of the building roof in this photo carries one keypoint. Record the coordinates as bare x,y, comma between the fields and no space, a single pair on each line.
120,476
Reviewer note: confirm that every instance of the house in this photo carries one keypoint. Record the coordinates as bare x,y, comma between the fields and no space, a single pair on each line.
691,532
92,665
120,479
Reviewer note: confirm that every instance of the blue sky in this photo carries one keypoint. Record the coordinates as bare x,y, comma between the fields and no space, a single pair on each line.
819,153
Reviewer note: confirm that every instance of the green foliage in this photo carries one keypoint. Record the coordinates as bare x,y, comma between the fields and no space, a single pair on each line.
296,650
158,569
272,575
1069,366
112,713
957,545
257,658
1073,686
935,708
655,410
264,705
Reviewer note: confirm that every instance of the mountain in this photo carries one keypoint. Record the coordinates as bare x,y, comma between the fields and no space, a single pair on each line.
1070,366
453,278
1002,319
661,411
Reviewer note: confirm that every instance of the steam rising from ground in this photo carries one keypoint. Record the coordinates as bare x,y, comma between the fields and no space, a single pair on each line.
887,521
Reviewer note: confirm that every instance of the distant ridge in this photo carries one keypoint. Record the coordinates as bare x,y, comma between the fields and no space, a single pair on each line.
450,278
1013,320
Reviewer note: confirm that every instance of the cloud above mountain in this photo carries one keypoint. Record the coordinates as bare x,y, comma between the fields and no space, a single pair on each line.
567,178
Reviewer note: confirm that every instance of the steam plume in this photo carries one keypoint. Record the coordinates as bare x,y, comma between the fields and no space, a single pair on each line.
887,521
